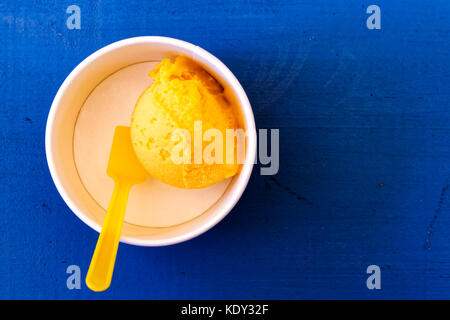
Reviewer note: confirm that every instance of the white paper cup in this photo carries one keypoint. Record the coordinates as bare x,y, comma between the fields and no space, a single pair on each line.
63,116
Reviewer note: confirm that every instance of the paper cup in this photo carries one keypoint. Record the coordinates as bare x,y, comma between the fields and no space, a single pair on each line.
63,116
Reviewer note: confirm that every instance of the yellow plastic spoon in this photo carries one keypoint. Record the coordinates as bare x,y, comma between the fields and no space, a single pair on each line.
125,169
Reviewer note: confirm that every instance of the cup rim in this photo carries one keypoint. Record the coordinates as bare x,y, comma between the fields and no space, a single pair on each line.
244,175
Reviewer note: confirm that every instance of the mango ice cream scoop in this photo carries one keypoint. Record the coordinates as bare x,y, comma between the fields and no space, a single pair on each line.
183,93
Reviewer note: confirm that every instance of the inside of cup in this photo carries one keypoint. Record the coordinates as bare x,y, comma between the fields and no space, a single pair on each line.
72,95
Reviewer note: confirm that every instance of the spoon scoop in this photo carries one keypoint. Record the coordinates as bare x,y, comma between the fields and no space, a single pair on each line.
125,169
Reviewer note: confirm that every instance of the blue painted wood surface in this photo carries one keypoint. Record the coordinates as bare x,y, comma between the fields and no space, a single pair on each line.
364,121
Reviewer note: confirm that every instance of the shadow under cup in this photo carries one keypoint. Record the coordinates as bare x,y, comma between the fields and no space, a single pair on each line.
71,97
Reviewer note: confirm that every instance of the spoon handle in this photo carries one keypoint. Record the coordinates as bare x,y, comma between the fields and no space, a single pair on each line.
101,268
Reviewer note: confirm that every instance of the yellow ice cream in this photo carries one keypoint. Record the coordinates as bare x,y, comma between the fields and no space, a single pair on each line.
182,94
